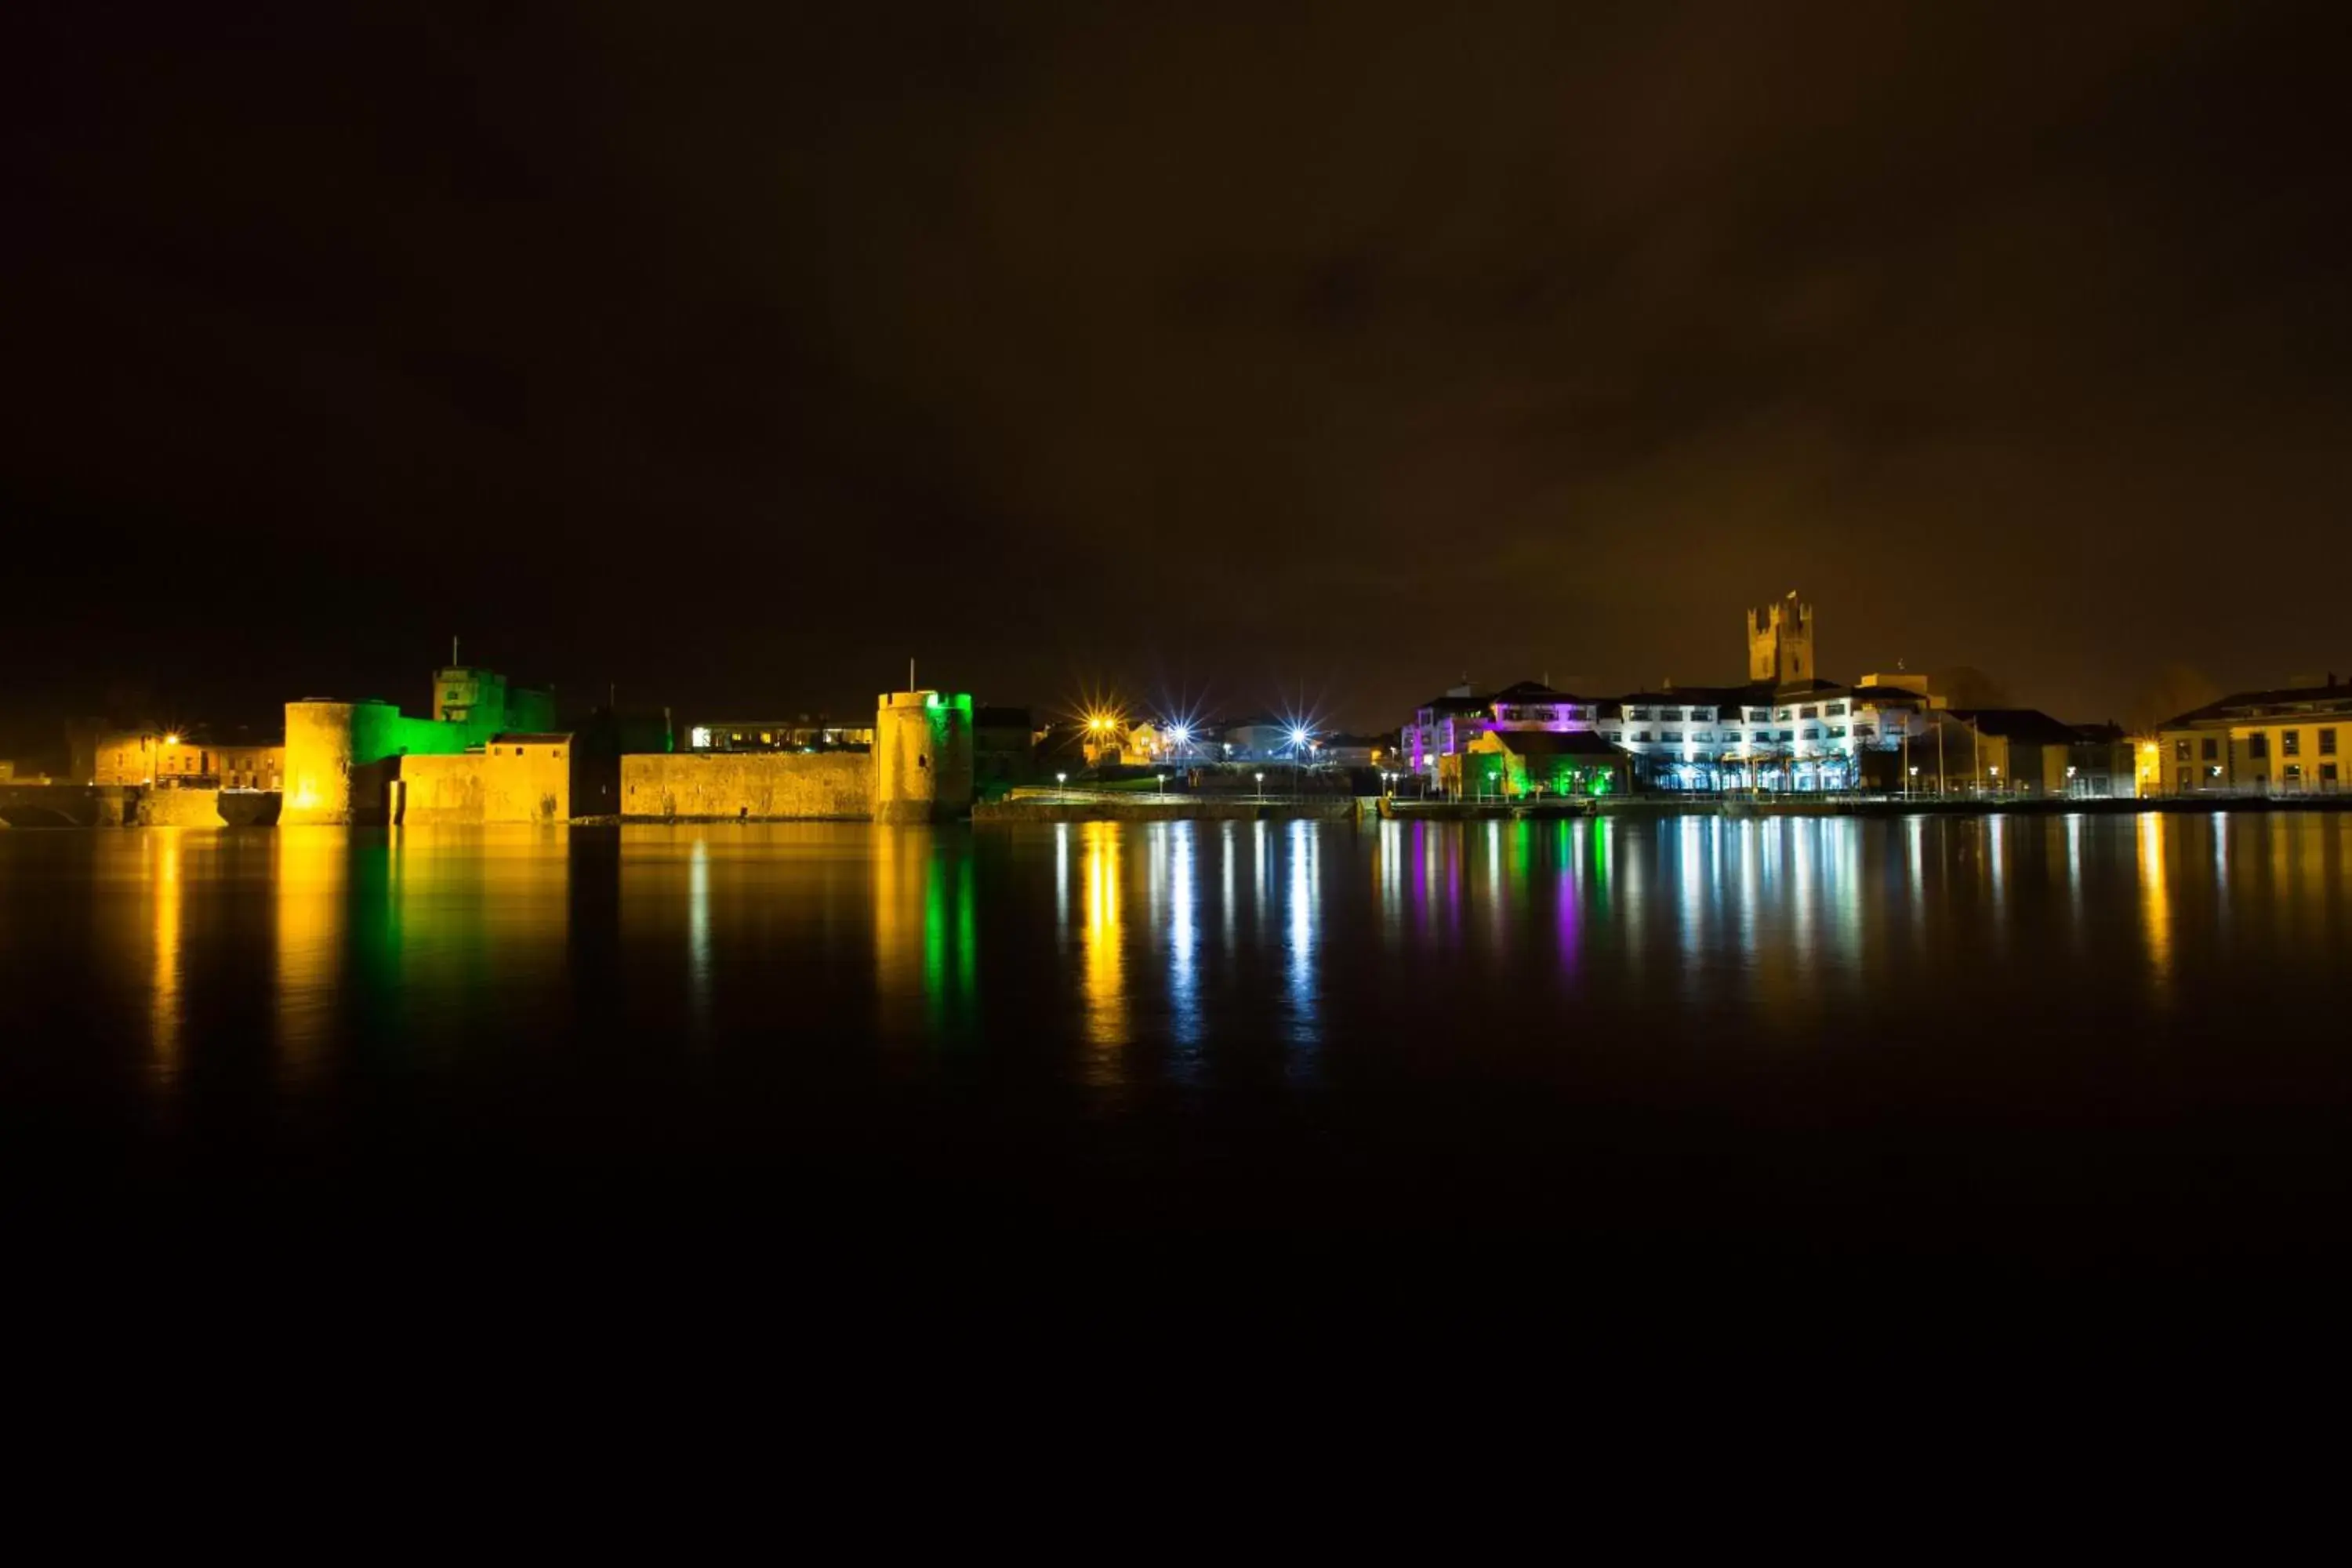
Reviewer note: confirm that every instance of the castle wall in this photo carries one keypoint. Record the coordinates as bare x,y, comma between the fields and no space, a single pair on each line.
515,784
922,756
341,755
755,787
179,808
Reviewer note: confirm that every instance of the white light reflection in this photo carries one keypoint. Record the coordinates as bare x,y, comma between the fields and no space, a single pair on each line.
1304,848
1184,929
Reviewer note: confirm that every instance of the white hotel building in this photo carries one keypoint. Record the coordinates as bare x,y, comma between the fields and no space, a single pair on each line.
1785,729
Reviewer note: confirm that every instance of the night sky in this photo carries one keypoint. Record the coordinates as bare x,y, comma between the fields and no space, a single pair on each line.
1243,354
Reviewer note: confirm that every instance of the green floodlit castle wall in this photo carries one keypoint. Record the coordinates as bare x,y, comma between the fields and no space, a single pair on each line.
339,755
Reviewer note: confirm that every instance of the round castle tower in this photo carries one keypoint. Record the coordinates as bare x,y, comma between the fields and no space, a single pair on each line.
922,756
324,742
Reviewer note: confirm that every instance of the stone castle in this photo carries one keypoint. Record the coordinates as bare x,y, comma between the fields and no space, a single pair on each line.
491,753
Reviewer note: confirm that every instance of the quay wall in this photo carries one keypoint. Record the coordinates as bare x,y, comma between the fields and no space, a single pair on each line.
1173,808
476,787
747,787
179,808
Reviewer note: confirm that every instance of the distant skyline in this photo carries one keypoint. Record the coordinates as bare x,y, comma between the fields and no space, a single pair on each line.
1230,352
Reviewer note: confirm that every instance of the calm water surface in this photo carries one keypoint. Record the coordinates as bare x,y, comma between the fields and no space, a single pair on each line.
2100,1037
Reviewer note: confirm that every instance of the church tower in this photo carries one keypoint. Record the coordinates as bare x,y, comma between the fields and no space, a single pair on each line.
1781,642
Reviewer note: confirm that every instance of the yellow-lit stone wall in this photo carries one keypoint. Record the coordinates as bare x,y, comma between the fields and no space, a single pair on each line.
179,808
505,782
754,786
319,745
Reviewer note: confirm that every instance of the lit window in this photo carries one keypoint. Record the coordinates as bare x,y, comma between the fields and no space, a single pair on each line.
2292,746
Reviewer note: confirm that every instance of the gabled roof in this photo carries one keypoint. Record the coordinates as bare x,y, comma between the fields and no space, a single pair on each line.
1455,705
2030,725
2290,701
1529,691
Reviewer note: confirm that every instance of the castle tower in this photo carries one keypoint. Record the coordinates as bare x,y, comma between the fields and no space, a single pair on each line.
1781,642
922,756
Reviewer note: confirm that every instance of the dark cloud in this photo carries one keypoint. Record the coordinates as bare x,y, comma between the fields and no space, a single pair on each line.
1253,348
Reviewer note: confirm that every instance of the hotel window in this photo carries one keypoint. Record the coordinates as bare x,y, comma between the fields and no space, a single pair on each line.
2292,740
2180,750
2212,749
2258,745
2327,742
2327,772
2294,773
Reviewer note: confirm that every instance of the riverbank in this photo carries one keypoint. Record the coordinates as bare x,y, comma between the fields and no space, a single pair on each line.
1076,807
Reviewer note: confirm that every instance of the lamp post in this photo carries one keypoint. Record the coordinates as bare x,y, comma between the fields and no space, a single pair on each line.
1159,785
1261,786
1061,786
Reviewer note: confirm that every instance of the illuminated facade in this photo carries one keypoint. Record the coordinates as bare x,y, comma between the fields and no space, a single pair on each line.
194,761
1785,729
2288,741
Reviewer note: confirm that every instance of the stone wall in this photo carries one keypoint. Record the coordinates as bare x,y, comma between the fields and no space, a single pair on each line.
754,786
532,784
179,808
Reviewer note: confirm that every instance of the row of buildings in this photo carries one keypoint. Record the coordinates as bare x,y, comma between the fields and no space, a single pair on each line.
1788,728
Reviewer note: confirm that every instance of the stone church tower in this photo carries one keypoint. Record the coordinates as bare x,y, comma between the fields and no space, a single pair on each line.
1781,642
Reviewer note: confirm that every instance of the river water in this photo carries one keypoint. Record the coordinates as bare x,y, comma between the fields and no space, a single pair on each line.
2079,1041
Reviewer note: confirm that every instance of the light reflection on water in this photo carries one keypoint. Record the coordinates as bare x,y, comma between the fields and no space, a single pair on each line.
1154,951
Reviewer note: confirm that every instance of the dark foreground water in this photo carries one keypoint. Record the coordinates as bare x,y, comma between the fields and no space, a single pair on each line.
2074,1042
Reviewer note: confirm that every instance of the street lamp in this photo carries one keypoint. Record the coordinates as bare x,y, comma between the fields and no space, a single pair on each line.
1159,785
1062,786
1261,786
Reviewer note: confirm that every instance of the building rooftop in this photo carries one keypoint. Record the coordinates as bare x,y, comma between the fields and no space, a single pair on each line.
1527,691
2335,697
531,737
2029,725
